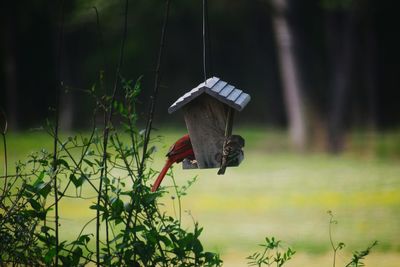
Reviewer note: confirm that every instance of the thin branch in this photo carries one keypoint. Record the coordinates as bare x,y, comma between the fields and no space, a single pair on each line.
14,176
124,156
107,130
133,135
4,133
105,121
82,256
83,228
78,164
153,98
100,33
56,126
178,195
149,123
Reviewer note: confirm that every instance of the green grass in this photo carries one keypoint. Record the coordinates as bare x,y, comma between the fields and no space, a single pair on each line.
275,192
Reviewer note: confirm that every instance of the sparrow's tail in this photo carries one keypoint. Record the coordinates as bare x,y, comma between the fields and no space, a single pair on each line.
161,175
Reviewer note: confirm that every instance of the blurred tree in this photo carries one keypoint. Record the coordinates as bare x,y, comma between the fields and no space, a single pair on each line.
346,72
8,23
27,60
340,32
370,63
289,74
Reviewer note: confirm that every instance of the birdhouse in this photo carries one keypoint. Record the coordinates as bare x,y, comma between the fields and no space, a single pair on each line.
208,111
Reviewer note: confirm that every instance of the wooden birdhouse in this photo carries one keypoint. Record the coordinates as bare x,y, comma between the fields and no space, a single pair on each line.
208,112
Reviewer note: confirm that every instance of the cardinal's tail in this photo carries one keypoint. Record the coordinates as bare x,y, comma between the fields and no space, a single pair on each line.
161,175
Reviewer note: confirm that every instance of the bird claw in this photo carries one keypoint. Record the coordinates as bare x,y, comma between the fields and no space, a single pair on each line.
189,164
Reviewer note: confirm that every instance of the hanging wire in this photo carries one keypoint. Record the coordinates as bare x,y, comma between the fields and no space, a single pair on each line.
208,44
205,17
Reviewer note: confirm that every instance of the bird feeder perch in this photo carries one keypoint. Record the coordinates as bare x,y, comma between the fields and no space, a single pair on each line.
208,111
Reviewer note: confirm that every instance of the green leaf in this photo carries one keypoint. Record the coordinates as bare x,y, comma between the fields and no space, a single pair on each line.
62,162
128,256
49,255
88,162
137,87
66,261
76,256
197,247
85,141
98,162
84,239
39,180
41,215
29,213
117,208
35,204
45,229
28,189
137,228
149,198
45,190
165,240
98,207
75,181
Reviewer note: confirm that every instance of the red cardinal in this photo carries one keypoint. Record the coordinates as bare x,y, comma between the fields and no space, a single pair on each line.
179,151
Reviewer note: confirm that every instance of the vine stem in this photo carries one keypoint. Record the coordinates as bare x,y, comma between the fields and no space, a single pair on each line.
148,128
56,126
153,98
77,164
4,133
178,196
103,90
335,248
204,40
107,126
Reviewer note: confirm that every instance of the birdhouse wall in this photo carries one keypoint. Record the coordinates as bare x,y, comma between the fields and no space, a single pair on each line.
205,119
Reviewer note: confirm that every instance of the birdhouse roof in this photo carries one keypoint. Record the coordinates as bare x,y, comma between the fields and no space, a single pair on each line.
218,89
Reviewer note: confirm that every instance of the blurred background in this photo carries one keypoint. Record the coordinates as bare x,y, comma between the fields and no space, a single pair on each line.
317,67
322,128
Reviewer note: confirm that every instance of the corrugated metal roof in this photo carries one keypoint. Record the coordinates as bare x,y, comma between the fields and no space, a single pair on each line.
217,88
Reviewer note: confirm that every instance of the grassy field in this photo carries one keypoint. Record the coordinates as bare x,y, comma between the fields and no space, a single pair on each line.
276,192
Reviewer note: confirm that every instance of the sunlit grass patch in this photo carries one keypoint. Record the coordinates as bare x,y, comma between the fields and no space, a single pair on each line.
274,192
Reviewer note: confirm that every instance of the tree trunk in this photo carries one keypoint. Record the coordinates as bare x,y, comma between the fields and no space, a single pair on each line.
10,66
289,75
340,41
370,71
67,99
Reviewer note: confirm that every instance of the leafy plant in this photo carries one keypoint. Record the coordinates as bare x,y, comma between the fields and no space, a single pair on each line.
135,232
273,254
335,247
358,256
112,163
